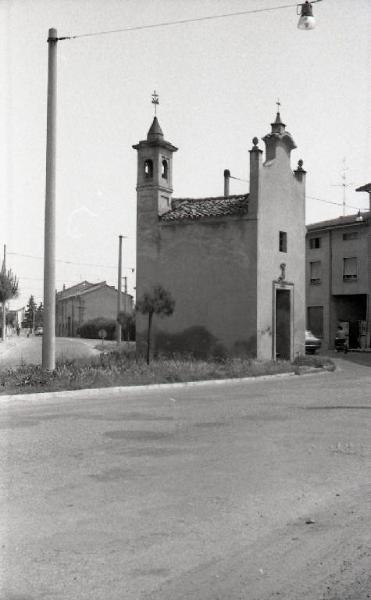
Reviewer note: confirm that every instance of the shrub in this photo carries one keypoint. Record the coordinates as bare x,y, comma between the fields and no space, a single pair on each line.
90,329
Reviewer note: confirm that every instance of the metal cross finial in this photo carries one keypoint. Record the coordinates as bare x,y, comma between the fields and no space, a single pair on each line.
155,100
278,104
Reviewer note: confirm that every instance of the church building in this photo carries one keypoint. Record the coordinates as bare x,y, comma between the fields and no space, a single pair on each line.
235,264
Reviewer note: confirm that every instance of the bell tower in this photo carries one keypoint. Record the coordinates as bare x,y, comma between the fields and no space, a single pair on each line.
155,171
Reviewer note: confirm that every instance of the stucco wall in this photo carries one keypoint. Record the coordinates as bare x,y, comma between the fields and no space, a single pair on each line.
281,207
98,303
209,267
319,294
331,254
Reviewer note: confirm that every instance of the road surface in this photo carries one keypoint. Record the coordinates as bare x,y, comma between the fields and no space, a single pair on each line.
253,491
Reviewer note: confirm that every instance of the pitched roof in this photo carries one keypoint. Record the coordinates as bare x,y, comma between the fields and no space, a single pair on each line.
362,217
185,209
78,289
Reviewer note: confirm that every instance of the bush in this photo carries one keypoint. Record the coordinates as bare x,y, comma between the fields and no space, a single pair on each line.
90,329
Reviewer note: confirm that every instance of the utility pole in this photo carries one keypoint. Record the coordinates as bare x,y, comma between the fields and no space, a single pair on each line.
3,328
126,291
48,342
119,286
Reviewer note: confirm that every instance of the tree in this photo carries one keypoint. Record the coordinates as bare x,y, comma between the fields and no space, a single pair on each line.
30,314
127,322
158,301
39,315
8,290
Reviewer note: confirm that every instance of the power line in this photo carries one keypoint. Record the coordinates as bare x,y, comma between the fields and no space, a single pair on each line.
179,22
331,202
69,262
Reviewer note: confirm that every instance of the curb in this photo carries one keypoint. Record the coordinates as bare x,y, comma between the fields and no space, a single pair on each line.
89,392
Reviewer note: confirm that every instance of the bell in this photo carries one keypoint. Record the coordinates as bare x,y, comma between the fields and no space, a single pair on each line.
306,21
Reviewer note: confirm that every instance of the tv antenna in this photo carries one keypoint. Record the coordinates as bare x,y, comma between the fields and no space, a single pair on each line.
344,184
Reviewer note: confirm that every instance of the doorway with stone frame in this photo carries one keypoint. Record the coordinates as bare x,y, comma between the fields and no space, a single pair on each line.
282,321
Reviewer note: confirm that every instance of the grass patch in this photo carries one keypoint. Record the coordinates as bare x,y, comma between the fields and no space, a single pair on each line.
117,368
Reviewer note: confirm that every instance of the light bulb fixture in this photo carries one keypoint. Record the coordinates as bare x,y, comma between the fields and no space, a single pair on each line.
306,20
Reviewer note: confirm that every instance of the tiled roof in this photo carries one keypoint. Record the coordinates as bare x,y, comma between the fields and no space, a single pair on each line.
185,209
78,289
340,221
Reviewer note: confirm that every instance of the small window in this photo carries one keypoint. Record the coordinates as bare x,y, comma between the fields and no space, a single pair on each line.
315,272
351,235
314,243
283,241
350,268
164,169
148,168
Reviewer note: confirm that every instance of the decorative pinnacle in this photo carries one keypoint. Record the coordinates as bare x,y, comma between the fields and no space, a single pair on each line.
255,141
155,100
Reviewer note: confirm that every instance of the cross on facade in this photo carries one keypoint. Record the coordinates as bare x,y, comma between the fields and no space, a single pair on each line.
278,104
155,100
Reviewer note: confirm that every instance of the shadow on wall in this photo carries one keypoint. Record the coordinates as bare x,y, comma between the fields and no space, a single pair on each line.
200,343
196,341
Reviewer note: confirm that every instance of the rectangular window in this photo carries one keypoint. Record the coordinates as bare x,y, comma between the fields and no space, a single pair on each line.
314,243
315,272
350,268
351,235
283,241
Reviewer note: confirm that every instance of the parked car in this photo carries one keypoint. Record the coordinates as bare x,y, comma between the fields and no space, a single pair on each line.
312,343
39,331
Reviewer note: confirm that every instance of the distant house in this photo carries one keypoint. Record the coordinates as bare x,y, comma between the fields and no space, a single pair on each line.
338,279
85,301
15,317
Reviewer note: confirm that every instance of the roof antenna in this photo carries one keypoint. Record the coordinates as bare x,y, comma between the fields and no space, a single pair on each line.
344,184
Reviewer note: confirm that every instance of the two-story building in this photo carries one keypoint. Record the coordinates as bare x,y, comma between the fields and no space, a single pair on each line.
85,301
338,279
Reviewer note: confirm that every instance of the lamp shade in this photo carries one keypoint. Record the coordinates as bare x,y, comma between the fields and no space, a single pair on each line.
306,21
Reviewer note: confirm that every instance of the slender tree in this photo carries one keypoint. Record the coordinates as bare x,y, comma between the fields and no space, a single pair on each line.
39,315
30,314
156,302
8,290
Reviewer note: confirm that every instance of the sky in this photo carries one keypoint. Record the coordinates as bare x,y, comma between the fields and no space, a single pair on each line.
218,82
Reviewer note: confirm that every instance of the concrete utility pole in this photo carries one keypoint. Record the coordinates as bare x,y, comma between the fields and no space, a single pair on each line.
119,287
48,343
3,327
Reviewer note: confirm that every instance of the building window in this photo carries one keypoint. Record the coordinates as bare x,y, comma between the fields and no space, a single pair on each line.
148,168
315,272
164,169
350,268
283,241
314,243
351,235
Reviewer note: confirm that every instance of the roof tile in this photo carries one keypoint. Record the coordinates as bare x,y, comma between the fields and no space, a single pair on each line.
185,209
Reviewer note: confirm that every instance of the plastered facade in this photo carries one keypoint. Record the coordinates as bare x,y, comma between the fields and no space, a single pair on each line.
224,268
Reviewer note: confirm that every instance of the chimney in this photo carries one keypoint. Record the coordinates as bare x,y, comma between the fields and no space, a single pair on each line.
227,175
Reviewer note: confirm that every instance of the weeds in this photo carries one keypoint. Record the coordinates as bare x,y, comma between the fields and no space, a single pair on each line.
118,368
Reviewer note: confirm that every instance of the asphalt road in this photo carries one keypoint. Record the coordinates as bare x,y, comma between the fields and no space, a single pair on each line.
250,491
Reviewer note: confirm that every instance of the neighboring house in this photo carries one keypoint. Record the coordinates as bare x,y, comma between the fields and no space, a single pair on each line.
85,301
233,264
338,288
16,316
